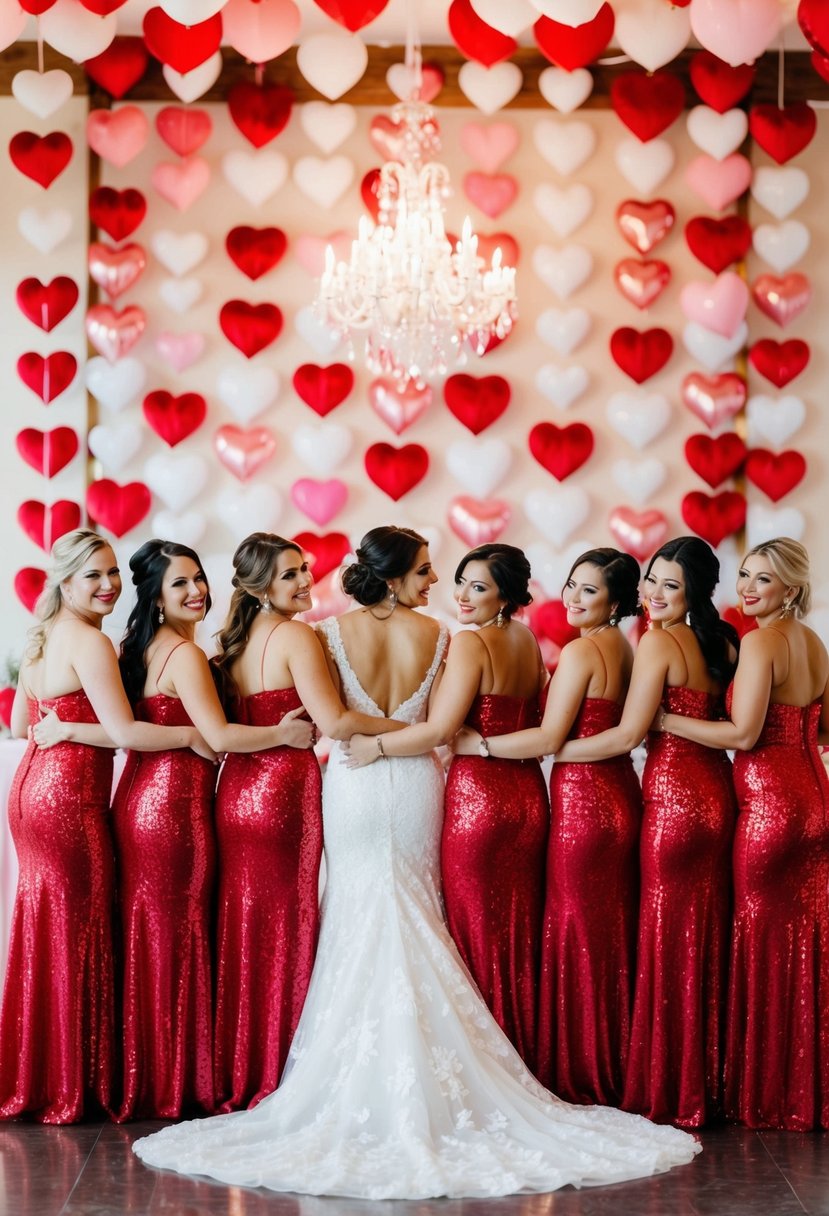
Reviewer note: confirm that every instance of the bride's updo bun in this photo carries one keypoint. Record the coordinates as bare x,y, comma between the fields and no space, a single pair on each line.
384,553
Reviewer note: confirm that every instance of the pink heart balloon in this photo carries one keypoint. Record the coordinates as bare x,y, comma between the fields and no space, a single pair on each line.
180,350
243,452
641,282
492,193
398,406
115,270
388,137
310,250
638,532
114,334
719,306
737,31
181,184
784,298
478,521
117,135
319,500
489,146
714,399
719,182
260,31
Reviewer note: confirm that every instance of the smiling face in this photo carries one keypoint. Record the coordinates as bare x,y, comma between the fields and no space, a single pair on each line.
761,591
290,588
586,598
477,595
183,592
664,592
413,589
93,591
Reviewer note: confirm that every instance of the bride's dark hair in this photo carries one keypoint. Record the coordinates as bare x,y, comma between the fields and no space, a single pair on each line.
384,553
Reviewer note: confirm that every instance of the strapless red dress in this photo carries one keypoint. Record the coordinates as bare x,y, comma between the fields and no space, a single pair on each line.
269,830
166,854
777,1048
56,1026
493,847
589,935
674,1067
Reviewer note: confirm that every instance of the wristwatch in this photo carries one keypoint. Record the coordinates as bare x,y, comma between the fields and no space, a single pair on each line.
483,748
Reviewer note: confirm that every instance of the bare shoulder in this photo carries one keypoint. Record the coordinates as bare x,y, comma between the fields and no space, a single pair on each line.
466,643
759,642
580,653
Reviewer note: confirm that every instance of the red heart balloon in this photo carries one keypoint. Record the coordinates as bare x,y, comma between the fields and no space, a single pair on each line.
641,283
44,525
549,620
36,7
715,459
714,399
743,624
118,212
779,362
647,103
256,250
644,225
476,401
475,38
571,47
718,243
821,64
641,354
719,85
28,584
6,702
117,508
41,157
46,305
782,298
369,188
323,388
396,471
326,552
250,327
102,8
775,473
184,128
47,451
713,517
120,66
813,19
782,132
183,47
260,111
639,533
174,418
561,449
48,377
353,14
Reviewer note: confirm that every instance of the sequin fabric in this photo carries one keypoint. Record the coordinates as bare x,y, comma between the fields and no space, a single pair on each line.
674,1064
166,855
56,1025
399,1083
269,833
777,1051
495,827
590,918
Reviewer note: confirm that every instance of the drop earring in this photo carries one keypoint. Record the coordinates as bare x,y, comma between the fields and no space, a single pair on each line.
688,617
501,621
265,604
160,615
392,600
786,609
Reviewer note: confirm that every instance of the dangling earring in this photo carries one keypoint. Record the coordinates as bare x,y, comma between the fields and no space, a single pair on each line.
501,621
265,604
392,600
787,609
613,620
160,615
688,617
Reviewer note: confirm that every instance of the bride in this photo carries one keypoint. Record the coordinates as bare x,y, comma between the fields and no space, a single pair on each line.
399,1084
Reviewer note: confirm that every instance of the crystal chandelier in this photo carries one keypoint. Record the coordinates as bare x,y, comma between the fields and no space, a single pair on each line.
411,295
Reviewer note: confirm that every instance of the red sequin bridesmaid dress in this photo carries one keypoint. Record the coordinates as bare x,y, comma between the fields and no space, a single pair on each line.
495,829
269,829
777,1048
674,1066
56,1026
166,854
589,934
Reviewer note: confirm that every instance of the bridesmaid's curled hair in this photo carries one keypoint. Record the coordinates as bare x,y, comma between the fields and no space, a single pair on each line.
148,565
68,555
621,576
510,571
790,562
385,552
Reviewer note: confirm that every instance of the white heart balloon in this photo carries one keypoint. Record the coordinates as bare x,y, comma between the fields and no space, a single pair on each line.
651,32
332,63
253,508
773,420
179,252
510,19
562,270
191,12
185,529
326,125
75,32
115,385
322,446
764,523
644,166
565,210
190,86
565,91
551,569
479,465
639,479
568,12
324,182
638,417
563,330
248,389
710,349
181,294
115,445
255,175
177,480
490,89
564,144
780,189
557,513
717,134
561,385
318,336
45,229
42,93
781,245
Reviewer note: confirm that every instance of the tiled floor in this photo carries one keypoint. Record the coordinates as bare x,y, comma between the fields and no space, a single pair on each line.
90,1171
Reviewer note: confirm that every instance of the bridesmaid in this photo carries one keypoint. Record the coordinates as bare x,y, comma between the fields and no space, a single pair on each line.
589,928
269,818
56,1027
496,816
674,1065
164,836
777,1043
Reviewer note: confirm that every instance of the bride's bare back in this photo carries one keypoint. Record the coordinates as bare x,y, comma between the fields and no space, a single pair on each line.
389,654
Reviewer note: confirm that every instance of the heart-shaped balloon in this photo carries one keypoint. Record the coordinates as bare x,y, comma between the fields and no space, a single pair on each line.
115,446
326,553
247,390
479,465
492,193
47,376
47,452
115,385
774,421
244,451
644,225
402,80
478,521
118,508
396,471
352,14
42,93
476,401
639,480
639,533
562,385
257,176
182,47
180,350
714,399
813,20
641,354
256,250
783,132
399,405
322,446
718,243
717,134
561,450
764,523
477,40
179,252
719,306
114,334
566,145
715,458
737,31
120,66
332,63
188,527
781,245
183,183
326,125
720,85
118,212
260,111
181,294
177,480
565,270
319,500
489,146
250,327
310,250
40,157
571,47
713,517
320,337
184,129
719,182
558,512
782,299
638,417
46,230
324,181
236,506
174,418
115,270
641,283
28,585
189,86
779,362
260,32
565,91
644,166
565,210
44,525
118,136
780,191
647,103
563,330
323,388
775,473
46,304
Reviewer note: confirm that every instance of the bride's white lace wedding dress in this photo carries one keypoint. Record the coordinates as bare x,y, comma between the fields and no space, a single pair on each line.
400,1084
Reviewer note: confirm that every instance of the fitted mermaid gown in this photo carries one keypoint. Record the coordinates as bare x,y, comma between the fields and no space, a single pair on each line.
399,1083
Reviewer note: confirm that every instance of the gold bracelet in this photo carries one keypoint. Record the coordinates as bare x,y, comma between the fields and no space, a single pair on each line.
379,739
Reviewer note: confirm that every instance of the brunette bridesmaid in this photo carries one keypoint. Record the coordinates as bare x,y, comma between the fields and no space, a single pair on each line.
777,1043
496,817
269,818
674,1065
590,914
57,1048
